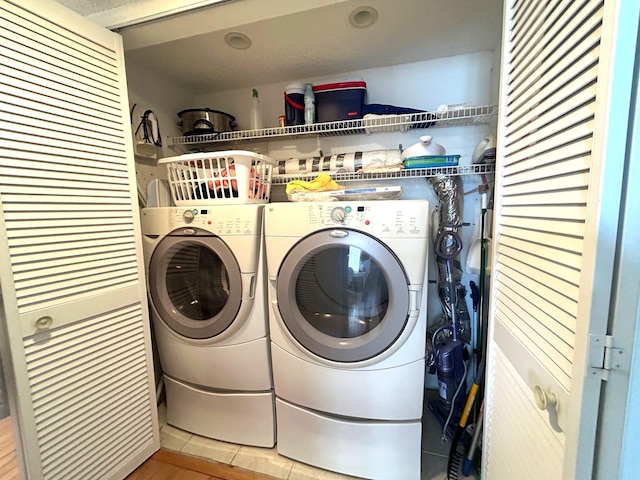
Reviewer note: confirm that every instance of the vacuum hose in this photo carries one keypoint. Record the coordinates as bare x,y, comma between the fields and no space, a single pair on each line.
448,189
448,246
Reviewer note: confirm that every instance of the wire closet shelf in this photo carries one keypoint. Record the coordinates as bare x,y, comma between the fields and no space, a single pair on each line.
479,169
375,124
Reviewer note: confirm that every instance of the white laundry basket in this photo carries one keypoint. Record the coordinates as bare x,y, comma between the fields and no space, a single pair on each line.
229,177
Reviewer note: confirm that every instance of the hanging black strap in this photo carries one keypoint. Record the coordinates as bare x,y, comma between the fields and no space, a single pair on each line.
148,133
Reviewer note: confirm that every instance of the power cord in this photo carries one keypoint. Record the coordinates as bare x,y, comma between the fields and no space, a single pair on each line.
148,121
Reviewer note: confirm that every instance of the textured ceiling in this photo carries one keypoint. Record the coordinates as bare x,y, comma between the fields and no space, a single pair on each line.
305,39
90,7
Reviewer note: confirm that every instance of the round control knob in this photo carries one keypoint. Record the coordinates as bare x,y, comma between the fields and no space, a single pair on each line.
338,215
188,216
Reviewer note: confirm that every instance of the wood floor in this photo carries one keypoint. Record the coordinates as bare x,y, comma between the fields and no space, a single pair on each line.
8,461
163,465
168,465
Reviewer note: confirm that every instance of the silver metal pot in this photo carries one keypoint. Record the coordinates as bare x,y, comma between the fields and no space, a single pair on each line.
202,121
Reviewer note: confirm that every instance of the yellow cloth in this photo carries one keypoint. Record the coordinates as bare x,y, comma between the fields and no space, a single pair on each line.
322,183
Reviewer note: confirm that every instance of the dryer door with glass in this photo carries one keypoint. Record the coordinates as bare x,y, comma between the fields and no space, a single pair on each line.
343,295
195,283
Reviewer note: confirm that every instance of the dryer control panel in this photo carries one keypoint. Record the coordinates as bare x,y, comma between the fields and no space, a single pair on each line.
395,218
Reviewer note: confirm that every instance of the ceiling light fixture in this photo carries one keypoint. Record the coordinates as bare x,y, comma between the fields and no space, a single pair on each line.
363,17
237,40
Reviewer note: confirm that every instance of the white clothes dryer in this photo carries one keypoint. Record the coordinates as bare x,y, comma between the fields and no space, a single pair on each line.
206,283
346,283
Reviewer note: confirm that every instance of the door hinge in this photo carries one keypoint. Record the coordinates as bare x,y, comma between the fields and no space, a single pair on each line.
603,356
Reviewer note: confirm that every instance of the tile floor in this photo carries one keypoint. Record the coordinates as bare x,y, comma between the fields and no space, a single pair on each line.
267,461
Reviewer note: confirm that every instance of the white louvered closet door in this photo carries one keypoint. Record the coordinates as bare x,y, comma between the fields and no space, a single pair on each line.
70,258
554,242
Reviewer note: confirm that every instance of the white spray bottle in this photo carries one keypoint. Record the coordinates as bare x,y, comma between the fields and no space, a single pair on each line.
255,117
309,105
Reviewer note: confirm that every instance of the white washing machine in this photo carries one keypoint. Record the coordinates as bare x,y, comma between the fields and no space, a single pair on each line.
348,327
206,283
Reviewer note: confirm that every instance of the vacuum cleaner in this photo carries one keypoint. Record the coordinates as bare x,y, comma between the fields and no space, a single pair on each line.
450,353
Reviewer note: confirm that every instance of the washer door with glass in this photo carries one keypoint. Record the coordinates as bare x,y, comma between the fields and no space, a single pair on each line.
195,283
343,295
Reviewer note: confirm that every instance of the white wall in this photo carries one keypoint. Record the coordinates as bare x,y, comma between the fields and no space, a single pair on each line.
421,85
166,99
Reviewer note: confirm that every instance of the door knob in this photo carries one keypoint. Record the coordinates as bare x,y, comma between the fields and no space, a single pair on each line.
544,399
44,323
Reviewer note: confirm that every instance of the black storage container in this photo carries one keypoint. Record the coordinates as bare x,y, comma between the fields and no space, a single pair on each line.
339,101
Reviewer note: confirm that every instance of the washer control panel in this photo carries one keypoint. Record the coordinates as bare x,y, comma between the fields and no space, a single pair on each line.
235,220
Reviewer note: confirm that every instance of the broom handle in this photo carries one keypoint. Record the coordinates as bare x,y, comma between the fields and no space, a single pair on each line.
481,280
473,392
468,461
